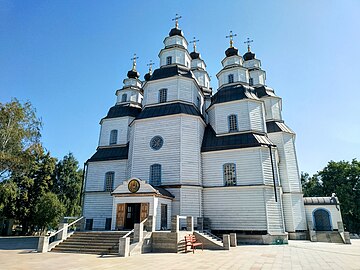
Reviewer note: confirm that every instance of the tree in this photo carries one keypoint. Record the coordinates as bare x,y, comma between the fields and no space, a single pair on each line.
67,184
343,178
19,132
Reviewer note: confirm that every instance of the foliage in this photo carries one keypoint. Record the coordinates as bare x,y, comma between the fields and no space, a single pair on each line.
67,186
19,132
343,178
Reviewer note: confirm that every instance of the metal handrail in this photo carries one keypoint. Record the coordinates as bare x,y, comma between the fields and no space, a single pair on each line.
212,235
72,223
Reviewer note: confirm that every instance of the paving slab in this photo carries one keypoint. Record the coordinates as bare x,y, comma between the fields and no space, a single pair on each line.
295,255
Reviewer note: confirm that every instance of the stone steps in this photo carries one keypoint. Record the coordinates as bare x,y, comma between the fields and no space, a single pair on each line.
328,237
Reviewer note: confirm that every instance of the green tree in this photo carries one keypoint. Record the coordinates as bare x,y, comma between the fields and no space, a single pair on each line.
19,132
67,184
311,185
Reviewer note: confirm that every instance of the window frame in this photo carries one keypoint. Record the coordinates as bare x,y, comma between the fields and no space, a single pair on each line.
109,182
163,95
251,81
229,174
124,97
113,137
155,174
231,78
233,123
168,60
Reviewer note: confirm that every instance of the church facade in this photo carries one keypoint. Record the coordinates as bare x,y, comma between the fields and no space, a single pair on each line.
172,146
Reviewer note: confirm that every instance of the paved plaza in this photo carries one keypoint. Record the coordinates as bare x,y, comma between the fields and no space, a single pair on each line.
296,255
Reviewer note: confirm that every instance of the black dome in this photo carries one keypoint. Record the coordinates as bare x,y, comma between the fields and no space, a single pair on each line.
175,32
147,76
231,51
133,74
249,56
195,55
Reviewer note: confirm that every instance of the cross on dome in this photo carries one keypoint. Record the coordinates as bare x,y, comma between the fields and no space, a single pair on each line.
176,19
231,38
194,41
150,66
248,41
134,61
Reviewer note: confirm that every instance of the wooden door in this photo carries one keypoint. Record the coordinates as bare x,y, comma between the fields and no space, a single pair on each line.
144,212
120,216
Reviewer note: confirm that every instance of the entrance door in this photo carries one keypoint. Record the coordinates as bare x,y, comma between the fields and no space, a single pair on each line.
132,215
163,216
322,220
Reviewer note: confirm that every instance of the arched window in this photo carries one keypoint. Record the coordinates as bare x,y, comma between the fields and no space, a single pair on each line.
155,175
113,136
109,181
229,174
123,97
230,78
233,124
162,95
169,60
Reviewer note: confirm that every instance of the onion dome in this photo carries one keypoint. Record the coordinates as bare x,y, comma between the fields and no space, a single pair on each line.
195,55
176,32
133,74
147,76
231,51
249,56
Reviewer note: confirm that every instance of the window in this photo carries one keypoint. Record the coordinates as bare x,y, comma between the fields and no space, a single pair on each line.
89,224
108,224
109,181
169,60
231,78
251,81
229,174
155,175
162,95
233,125
113,136
123,97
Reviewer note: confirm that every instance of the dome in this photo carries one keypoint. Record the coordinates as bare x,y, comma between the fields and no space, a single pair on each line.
195,55
231,51
175,32
249,56
133,74
147,76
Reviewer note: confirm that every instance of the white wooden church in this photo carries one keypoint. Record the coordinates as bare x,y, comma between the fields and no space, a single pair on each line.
172,146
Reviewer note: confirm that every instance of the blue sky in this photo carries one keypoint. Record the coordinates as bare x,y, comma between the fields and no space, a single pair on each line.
69,57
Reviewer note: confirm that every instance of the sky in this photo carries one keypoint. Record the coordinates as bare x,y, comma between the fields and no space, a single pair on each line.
68,57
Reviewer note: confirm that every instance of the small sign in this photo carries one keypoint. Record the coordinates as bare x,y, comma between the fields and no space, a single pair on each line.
133,186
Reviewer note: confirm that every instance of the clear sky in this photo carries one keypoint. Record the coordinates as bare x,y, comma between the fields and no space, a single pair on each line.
68,58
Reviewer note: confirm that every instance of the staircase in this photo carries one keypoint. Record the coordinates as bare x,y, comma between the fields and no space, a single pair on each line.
329,237
91,243
209,240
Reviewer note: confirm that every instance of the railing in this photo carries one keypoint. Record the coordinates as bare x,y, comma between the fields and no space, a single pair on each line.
64,230
212,235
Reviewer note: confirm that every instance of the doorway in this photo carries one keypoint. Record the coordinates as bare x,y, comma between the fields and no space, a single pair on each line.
322,220
163,225
132,215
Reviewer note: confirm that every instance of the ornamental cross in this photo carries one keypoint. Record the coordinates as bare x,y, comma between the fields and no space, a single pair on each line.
134,61
150,66
248,41
231,38
176,19
194,41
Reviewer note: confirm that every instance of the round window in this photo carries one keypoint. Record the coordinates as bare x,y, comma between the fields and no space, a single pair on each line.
156,143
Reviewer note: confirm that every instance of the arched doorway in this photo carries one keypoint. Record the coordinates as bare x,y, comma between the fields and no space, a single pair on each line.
322,220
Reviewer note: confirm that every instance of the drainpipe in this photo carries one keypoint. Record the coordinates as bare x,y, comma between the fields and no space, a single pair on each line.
82,185
273,172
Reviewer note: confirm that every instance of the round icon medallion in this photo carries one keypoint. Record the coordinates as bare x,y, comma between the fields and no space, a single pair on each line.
133,186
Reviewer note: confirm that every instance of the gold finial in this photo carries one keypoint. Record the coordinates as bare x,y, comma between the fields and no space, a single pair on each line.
231,39
134,61
194,41
248,41
150,66
176,19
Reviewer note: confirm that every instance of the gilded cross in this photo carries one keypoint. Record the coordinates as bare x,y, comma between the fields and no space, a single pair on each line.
134,61
194,41
231,38
150,66
176,19
248,41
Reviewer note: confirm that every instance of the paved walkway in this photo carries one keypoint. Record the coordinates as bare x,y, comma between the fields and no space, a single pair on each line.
296,255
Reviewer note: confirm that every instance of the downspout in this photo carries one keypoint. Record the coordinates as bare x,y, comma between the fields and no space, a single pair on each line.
273,172
82,186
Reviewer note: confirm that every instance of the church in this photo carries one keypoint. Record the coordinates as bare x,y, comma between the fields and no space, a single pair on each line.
172,146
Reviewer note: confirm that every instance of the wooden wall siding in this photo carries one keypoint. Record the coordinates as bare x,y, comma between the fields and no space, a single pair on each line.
98,206
178,89
294,213
274,211
272,108
175,204
235,208
249,113
121,124
95,180
266,166
258,76
191,202
288,168
158,213
240,75
252,166
131,151
180,154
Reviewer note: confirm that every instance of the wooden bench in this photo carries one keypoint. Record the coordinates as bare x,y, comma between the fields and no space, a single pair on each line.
190,241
